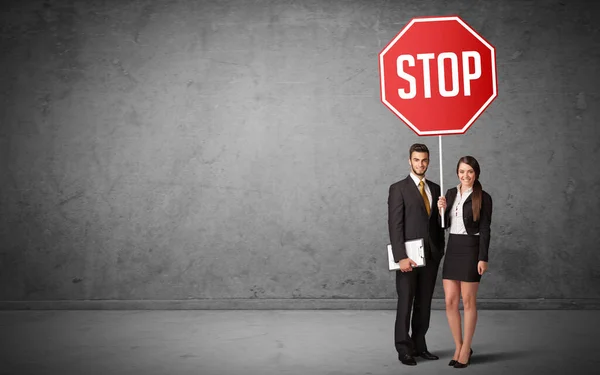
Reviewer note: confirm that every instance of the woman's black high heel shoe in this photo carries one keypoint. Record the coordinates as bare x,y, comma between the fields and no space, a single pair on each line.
457,364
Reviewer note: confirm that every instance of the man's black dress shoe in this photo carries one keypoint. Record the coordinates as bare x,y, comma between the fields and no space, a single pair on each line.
425,354
407,359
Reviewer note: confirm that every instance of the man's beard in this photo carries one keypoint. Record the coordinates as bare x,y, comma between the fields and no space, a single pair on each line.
415,172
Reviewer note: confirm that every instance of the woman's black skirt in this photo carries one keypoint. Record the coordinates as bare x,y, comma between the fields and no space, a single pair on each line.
461,258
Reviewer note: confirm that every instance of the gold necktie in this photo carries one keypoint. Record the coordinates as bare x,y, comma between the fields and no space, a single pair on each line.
424,195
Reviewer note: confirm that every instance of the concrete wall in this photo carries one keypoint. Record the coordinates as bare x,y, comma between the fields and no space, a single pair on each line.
238,151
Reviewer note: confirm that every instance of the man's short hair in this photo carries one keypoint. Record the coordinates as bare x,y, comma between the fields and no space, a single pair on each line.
417,147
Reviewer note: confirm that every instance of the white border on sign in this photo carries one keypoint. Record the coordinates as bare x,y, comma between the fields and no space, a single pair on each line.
483,107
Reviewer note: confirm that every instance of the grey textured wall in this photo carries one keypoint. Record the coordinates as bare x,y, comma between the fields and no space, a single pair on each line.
183,150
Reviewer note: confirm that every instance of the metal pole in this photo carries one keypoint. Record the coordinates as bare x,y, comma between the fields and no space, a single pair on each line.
441,178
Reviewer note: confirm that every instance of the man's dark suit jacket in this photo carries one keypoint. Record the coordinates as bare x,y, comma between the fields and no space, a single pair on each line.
407,218
481,226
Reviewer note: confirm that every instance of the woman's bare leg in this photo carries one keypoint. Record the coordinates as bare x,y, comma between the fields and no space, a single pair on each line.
452,297
469,298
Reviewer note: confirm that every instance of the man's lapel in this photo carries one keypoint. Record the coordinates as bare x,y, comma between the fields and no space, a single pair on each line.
433,196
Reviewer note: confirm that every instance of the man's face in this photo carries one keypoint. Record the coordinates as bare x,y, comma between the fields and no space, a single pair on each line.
419,161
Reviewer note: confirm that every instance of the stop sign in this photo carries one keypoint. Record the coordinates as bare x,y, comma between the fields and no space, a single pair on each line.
438,75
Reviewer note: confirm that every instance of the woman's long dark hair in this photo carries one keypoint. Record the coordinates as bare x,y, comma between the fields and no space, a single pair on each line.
477,188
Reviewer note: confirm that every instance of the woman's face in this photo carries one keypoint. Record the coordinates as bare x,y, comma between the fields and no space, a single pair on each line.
466,175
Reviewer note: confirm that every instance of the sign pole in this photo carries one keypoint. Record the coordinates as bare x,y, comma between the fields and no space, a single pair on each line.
441,178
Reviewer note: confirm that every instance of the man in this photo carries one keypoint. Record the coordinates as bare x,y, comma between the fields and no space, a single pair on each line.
411,215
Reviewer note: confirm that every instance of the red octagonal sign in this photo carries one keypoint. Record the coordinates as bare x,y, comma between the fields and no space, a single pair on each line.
438,75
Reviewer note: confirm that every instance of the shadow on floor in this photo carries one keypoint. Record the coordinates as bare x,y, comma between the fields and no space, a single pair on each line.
492,357
484,356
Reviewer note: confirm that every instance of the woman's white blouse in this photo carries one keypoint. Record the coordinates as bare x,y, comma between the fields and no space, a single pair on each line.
457,225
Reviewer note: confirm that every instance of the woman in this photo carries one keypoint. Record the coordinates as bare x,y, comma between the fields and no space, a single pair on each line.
466,258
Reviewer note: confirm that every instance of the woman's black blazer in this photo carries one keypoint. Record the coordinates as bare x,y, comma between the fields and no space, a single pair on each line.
481,226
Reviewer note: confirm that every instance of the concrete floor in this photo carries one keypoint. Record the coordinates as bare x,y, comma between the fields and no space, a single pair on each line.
285,342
